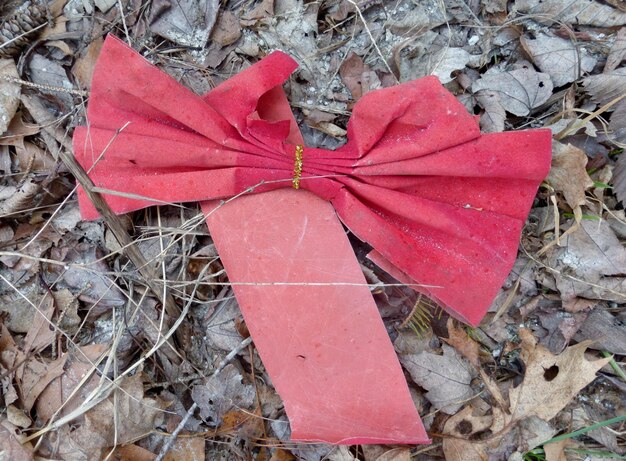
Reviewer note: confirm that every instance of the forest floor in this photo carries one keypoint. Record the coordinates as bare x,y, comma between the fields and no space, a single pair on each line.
85,371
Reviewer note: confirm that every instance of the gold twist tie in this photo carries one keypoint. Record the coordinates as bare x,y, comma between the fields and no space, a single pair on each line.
297,168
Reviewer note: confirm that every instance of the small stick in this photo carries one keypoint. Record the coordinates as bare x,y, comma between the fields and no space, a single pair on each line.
170,443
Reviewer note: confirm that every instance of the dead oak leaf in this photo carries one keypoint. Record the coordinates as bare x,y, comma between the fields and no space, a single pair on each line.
447,377
569,174
10,446
461,341
550,381
458,429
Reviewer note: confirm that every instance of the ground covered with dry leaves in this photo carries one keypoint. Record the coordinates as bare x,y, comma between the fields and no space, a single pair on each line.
85,372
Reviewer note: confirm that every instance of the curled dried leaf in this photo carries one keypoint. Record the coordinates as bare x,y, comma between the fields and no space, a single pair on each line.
569,174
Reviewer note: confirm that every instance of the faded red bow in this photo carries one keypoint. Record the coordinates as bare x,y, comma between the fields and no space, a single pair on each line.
441,205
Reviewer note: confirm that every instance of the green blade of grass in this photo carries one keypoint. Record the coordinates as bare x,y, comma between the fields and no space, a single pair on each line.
615,366
584,430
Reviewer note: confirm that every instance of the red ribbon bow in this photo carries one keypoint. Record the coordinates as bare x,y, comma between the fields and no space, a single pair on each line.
441,204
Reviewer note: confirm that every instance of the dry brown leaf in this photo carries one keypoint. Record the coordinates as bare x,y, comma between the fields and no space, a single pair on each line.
41,333
134,453
186,449
8,357
21,198
67,304
136,416
34,376
458,429
578,305
617,53
460,340
10,447
340,453
550,381
429,55
606,87
578,12
617,126
357,76
105,5
86,62
591,264
49,72
17,130
590,413
222,334
605,330
520,90
185,22
87,274
9,93
558,57
222,393
471,436
264,9
295,27
416,19
556,451
58,392
227,29
494,6
17,417
569,174
34,158
447,377
6,233
241,424
492,121
62,446
396,454
282,455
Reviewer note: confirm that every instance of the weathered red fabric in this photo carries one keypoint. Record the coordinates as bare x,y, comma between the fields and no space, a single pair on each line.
441,205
